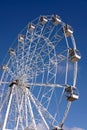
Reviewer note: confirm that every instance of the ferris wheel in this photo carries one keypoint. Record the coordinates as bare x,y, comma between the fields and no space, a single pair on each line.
38,79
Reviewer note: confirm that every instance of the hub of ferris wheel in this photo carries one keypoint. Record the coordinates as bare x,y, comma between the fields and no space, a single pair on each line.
37,76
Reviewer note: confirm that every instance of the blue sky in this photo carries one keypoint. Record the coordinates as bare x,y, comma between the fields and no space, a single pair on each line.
15,14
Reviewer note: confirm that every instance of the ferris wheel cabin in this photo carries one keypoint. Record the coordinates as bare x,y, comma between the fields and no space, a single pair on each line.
56,19
74,55
11,51
31,27
68,30
20,38
4,67
71,93
57,128
43,19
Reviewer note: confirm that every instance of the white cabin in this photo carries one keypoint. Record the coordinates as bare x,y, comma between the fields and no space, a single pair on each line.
74,55
20,38
56,19
31,27
11,51
72,97
4,67
71,93
43,19
68,30
57,128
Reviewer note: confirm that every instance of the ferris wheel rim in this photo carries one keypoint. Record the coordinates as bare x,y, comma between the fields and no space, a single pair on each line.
52,57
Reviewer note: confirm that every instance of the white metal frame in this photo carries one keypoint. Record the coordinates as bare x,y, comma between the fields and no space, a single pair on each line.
37,63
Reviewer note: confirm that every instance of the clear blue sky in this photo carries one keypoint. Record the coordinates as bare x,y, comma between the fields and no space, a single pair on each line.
15,14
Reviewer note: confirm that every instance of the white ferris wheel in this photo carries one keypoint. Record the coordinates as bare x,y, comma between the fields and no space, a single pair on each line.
38,80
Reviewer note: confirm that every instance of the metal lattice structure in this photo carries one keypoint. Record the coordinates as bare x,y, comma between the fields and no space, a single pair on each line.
38,81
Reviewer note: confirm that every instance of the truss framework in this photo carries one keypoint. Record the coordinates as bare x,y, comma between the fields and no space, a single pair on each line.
35,77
